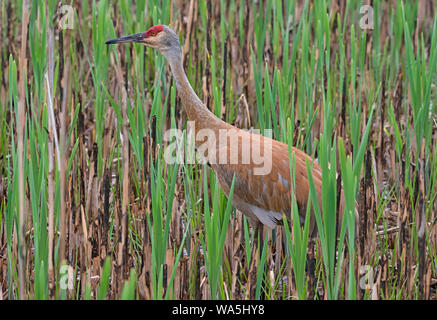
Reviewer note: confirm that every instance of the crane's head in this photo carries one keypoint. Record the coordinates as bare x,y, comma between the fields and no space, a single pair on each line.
159,37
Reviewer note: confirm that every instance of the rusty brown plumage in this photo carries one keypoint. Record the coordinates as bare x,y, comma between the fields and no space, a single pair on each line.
263,198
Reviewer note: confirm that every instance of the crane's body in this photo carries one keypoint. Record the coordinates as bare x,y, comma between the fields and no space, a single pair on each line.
263,198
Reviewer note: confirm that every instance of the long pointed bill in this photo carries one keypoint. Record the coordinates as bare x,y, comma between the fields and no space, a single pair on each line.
132,38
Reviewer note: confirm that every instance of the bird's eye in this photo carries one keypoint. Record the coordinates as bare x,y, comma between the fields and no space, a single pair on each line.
153,33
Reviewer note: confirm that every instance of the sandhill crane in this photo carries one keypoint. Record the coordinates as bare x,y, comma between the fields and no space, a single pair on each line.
262,197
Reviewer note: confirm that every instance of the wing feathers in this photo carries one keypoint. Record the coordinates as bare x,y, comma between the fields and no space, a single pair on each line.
269,195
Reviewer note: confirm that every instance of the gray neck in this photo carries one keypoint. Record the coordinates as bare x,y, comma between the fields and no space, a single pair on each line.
194,107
